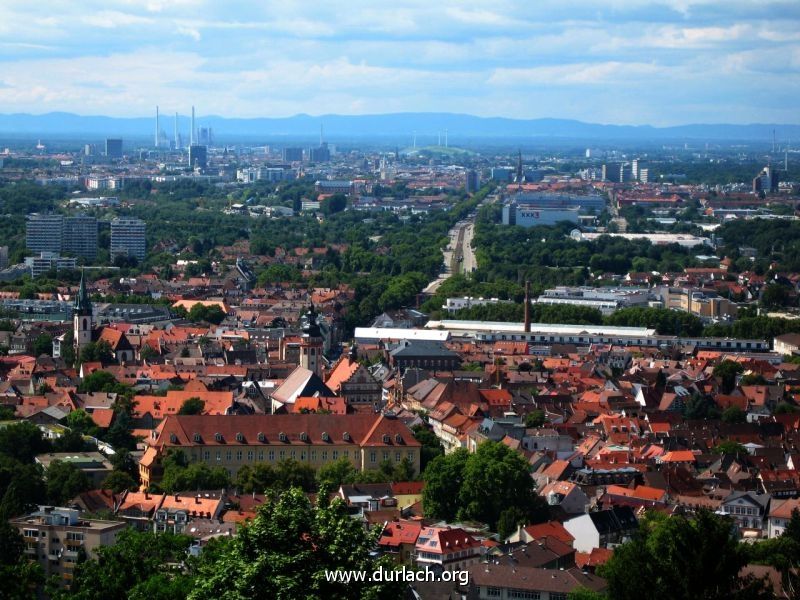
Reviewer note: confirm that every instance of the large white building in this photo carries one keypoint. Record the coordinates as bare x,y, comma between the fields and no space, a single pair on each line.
128,238
606,300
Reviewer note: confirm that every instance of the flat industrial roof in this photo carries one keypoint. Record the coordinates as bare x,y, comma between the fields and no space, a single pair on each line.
453,325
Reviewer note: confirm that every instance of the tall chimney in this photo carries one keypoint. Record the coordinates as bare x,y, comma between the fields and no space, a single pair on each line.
192,139
527,306
158,132
177,144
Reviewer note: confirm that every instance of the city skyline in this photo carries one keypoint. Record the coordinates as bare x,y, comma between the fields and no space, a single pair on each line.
627,62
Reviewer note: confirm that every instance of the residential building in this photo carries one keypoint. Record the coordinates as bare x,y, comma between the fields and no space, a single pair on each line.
602,529
565,494
44,232
748,509
234,441
780,513
47,261
94,465
446,549
80,236
398,540
56,537
320,154
510,582
788,344
128,238
705,304
176,511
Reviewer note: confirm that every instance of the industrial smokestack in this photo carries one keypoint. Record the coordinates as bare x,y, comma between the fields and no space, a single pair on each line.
192,133
527,306
158,129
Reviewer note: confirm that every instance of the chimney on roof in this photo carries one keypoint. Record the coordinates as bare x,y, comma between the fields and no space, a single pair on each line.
527,306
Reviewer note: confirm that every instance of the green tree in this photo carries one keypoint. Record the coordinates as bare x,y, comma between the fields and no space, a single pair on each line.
444,477
81,422
180,476
727,371
97,352
336,473
496,479
119,481
64,481
730,447
125,570
102,381
43,344
774,296
677,558
192,406
209,314
21,487
286,551
257,478
19,575
431,446
23,441
535,418
734,414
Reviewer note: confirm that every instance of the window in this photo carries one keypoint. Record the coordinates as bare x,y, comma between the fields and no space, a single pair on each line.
238,455
523,595
293,454
271,455
282,454
261,455
385,455
229,455
313,455
324,455
396,457
250,455
373,456
74,536
206,455
219,455
302,455
335,454
347,453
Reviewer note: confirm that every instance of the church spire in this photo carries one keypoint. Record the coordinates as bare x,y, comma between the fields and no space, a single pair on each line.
82,305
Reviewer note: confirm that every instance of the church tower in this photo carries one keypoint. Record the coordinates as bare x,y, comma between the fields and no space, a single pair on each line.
311,344
82,321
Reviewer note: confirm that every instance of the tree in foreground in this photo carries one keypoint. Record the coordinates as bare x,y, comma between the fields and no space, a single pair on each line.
285,552
493,486
139,565
19,575
680,558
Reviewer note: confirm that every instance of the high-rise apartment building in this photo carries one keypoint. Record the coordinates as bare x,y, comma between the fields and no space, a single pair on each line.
128,238
44,232
57,538
80,236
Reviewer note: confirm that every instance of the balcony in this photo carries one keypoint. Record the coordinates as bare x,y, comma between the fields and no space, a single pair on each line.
73,543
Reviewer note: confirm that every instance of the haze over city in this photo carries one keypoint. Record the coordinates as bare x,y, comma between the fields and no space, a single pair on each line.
622,62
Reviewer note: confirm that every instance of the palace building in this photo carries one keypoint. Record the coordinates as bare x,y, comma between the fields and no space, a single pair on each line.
233,441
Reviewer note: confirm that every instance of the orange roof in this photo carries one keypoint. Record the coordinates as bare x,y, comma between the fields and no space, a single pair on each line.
678,456
641,492
400,532
331,404
216,403
552,529
342,371
188,304
102,417
595,558
197,506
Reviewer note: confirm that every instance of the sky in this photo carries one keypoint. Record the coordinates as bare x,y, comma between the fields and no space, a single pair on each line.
614,61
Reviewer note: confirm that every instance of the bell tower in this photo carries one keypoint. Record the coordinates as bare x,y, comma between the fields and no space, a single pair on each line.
82,319
311,344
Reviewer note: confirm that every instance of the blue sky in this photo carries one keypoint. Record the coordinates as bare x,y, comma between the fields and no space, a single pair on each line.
615,61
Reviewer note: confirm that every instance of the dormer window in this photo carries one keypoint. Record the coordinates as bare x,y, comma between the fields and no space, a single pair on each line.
346,436
173,439
326,437
283,437
398,439
218,437
261,437
386,438
197,438
240,437
303,436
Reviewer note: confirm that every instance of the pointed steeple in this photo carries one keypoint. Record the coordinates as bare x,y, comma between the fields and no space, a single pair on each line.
353,356
82,305
312,327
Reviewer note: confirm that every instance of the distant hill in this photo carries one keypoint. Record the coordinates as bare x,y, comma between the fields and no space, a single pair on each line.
387,125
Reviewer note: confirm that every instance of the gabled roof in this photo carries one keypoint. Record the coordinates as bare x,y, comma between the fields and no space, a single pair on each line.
301,382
